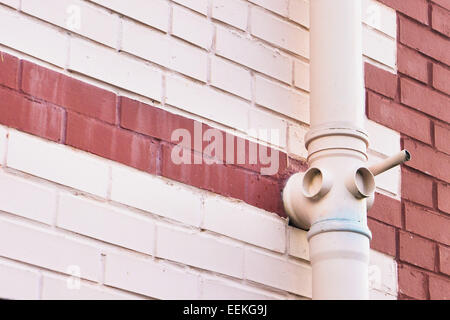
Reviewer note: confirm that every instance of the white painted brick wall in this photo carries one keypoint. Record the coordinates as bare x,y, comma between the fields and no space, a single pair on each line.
12,3
278,6
17,281
103,222
191,27
154,13
3,144
26,198
200,6
77,16
200,250
231,77
299,12
233,12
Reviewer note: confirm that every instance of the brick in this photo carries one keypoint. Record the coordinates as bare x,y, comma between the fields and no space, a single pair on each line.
440,20
417,188
58,163
130,74
76,16
37,118
423,99
231,77
48,249
416,9
232,218
282,99
443,196
265,193
100,221
427,224
55,287
200,250
9,70
301,75
275,271
379,47
440,78
253,55
191,27
441,138
111,142
383,273
200,6
3,144
398,117
24,38
279,32
383,140
299,12
12,3
411,63
298,243
444,260
68,92
383,237
280,6
233,12
19,282
439,288
428,160
40,204
443,3
412,282
207,102
215,288
419,37
296,140
186,209
149,277
387,210
380,81
417,251
262,124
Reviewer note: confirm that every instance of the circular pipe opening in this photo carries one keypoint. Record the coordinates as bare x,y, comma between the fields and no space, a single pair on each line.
365,182
312,183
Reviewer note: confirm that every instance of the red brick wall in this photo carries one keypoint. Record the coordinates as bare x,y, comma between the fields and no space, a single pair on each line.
416,103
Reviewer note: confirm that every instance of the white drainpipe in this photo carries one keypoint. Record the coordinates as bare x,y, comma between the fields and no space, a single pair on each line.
332,197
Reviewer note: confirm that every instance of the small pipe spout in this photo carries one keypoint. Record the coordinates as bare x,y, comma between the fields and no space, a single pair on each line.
390,162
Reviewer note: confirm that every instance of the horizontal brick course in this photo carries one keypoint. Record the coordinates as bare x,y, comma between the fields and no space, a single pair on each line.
387,210
418,251
443,196
441,75
380,81
440,20
412,63
439,288
417,187
444,259
383,237
416,9
9,70
412,282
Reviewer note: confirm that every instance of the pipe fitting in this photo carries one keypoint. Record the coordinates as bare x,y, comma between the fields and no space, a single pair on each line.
362,183
316,183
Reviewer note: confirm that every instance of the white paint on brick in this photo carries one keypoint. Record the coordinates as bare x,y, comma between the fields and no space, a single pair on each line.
154,13
296,140
155,195
231,77
27,199
298,243
299,12
77,16
17,281
191,27
379,295
279,32
282,99
48,249
3,144
301,75
206,102
233,12
253,54
261,125
382,273
12,3
277,6
380,17
55,287
379,48
215,288
100,221
165,51
149,277
200,6
57,163
114,68
243,222
200,250
382,139
278,272
25,39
